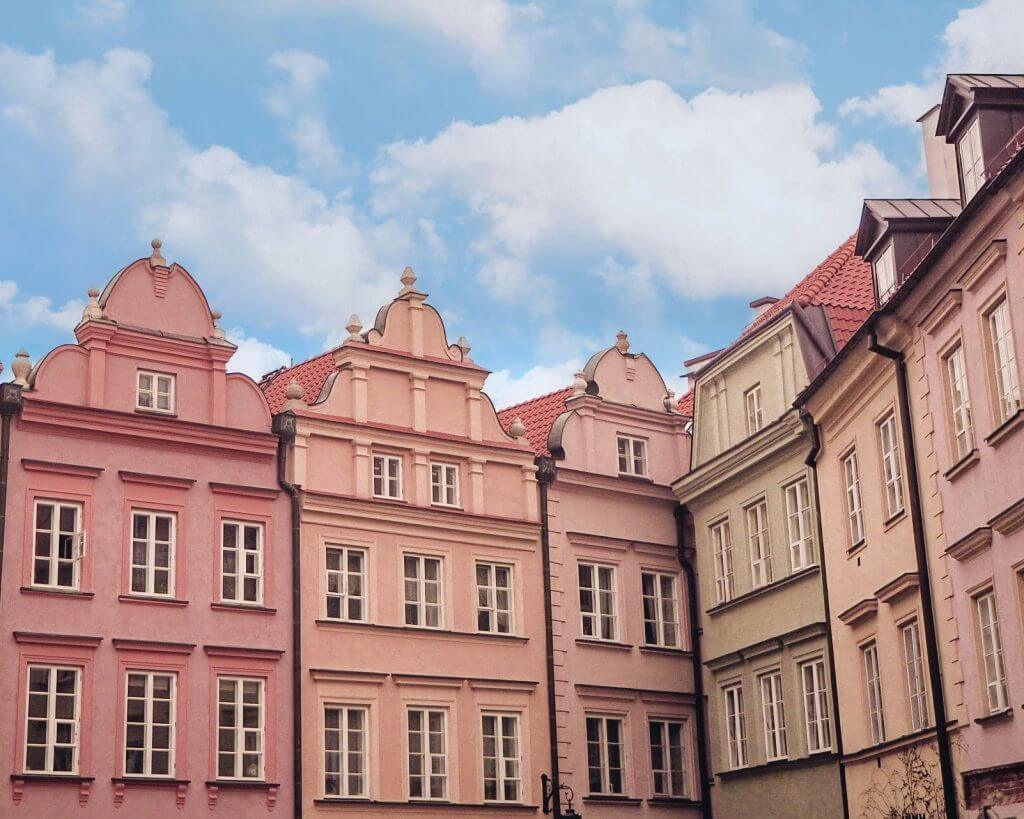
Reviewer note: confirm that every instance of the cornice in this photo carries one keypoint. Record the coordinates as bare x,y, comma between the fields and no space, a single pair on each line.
32,465
1010,519
766,646
614,483
898,587
861,610
971,544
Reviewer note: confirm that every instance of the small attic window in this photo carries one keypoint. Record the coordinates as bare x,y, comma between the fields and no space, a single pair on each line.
155,392
885,273
972,170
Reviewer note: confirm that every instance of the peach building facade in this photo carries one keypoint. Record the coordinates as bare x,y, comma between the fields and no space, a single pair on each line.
423,630
146,569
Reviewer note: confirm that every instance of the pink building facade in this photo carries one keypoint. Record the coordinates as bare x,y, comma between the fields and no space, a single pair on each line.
146,592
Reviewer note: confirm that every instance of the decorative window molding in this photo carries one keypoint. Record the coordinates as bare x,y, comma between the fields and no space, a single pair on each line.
424,590
892,464
660,593
242,562
668,739
721,543
774,713
598,605
632,455
854,499
346,751
387,476
444,484
873,683
971,544
58,544
736,727
760,546
241,728
501,757
816,711
427,739
152,559
605,755
53,708
155,392
345,568
150,723
798,524
913,662
991,651
494,598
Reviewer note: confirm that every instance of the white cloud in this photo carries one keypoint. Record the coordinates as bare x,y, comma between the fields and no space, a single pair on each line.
895,103
691,348
254,357
31,311
101,13
506,389
702,193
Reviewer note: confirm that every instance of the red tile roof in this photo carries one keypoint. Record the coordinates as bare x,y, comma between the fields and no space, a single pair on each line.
685,405
537,414
311,374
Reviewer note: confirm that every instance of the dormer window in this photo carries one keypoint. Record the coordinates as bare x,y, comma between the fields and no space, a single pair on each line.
632,456
972,169
155,392
885,273
755,415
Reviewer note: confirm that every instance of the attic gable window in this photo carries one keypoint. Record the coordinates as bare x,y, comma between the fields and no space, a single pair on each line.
155,392
885,274
972,169
632,455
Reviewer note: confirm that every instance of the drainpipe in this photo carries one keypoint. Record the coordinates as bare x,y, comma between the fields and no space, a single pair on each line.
924,577
10,403
546,474
686,539
284,426
812,462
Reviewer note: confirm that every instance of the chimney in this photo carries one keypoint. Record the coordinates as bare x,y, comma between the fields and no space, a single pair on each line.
762,304
939,159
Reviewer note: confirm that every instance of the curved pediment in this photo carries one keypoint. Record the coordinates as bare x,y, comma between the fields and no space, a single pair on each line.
622,377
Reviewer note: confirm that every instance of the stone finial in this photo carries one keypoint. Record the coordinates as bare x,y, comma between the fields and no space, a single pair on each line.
92,309
622,341
157,258
354,327
517,429
21,367
408,279
218,331
463,344
579,384
670,402
295,393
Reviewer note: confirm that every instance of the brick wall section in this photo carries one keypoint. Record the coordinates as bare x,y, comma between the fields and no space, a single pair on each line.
994,786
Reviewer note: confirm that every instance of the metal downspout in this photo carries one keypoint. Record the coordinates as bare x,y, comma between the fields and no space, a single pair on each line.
10,403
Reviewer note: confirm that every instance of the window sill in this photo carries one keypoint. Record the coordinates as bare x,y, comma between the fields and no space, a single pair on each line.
626,476
1005,428
155,412
424,630
155,781
613,798
72,593
250,607
894,519
383,804
815,758
615,644
856,548
1003,715
765,589
961,466
386,499
52,777
242,784
152,601
673,801
680,652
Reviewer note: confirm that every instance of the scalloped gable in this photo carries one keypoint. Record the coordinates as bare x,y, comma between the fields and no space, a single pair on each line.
627,378
409,325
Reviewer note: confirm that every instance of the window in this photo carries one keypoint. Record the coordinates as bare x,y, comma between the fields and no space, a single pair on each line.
604,755
892,469
774,716
760,549
59,545
387,476
502,773
885,273
240,726
422,591
1004,360
444,484
972,168
755,417
661,615
991,651
632,455
668,757
873,679
152,553
52,719
959,401
428,754
597,601
819,731
155,392
242,562
149,724
798,523
494,598
721,542
854,503
345,751
736,726
915,676
346,583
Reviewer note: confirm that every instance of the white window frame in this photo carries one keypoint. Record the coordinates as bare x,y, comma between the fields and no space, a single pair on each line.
760,543
892,464
508,767
673,758
603,608
885,273
799,525
239,731
773,708
854,499
1006,381
422,585
427,774
344,734
75,543
816,711
755,413
489,594
599,754
444,484
155,391
721,542
991,651
972,171
387,483
150,543
873,683
632,455
339,583
962,424
50,743
149,723
660,608
736,727
913,662
242,572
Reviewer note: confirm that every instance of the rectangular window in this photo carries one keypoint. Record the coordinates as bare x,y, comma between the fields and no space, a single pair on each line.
1004,360
422,591
760,549
819,729
240,728
155,392
661,609
345,750
428,754
346,583
668,757
387,476
502,769
892,468
58,544
915,676
991,651
52,719
153,535
149,724
798,524
885,273
736,726
972,169
959,402
721,542
854,502
873,680
444,484
242,562
494,598
632,455
774,716
597,601
755,416
604,755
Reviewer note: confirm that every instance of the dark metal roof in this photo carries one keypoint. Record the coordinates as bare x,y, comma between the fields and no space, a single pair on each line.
878,214
963,90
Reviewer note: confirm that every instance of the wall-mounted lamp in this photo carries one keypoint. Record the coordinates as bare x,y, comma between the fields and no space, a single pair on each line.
553,801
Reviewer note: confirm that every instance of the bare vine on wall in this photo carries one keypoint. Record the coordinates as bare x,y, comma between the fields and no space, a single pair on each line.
912,789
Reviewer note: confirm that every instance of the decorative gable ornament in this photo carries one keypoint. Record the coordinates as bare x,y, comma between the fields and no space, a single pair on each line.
21,367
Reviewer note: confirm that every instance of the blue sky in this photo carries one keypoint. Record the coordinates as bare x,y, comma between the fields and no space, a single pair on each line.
554,171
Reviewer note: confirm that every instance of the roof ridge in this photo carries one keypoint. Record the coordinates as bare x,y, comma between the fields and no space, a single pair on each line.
819,278
535,398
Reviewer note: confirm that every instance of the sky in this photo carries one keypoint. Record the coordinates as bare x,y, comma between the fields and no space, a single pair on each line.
553,171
